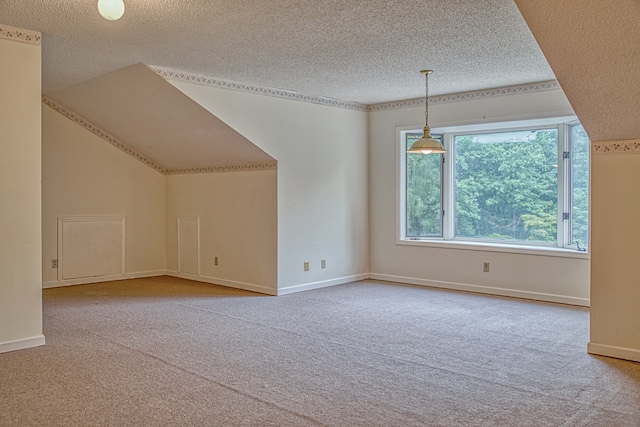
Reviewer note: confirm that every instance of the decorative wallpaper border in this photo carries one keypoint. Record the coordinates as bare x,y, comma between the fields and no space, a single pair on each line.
467,96
625,146
200,79
20,35
102,134
251,166
224,168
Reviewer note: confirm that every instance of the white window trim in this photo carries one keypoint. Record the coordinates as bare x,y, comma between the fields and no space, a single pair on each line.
447,241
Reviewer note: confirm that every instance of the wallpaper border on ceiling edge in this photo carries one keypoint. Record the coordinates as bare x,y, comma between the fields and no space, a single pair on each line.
20,35
622,146
102,134
468,96
251,166
240,167
201,79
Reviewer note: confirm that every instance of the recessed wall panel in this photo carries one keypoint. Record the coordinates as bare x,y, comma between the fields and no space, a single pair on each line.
90,247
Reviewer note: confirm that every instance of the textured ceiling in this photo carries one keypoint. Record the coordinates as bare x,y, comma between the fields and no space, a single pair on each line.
157,120
354,50
597,62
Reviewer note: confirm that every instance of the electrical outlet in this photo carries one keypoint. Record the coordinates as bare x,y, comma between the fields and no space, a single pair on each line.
306,266
486,267
323,263
54,263
215,261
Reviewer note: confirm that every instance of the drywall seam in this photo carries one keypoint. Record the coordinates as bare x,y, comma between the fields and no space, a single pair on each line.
513,293
239,167
625,146
20,35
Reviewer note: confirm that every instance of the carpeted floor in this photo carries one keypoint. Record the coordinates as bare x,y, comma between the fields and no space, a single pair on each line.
171,352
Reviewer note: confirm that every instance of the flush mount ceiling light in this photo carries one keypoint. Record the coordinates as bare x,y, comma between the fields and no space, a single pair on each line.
427,145
111,10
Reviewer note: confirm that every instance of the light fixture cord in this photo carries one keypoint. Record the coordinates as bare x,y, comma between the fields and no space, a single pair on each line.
426,99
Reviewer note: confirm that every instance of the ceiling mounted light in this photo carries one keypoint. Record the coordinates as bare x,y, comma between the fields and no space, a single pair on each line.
111,10
427,145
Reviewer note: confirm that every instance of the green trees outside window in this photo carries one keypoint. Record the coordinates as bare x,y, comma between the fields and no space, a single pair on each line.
506,186
424,192
527,186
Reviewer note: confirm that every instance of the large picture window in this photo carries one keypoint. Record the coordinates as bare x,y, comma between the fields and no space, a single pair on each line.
525,183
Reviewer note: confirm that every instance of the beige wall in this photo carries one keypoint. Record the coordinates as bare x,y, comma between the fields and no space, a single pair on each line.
322,180
237,214
615,270
524,275
83,175
20,192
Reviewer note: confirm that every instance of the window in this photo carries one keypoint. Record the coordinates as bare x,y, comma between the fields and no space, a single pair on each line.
524,183
424,192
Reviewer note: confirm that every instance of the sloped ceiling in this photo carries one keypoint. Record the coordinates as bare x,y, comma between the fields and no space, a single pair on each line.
150,115
598,61
360,51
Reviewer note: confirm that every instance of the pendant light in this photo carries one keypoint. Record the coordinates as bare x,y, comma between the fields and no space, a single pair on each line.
427,145
111,10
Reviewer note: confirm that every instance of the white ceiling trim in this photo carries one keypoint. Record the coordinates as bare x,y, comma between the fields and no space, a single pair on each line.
201,79
626,146
468,96
20,35
250,166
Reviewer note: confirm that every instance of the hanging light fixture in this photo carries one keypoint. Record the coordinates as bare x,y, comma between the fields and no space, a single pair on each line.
427,145
111,10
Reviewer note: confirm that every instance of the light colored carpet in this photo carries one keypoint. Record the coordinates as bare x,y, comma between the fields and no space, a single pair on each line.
171,352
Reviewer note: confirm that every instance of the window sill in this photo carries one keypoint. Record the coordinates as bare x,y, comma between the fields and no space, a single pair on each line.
498,247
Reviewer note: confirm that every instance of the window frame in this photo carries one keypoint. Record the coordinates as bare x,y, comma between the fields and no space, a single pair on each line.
563,246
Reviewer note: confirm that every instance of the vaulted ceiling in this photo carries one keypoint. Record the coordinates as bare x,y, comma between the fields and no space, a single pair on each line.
361,51
163,125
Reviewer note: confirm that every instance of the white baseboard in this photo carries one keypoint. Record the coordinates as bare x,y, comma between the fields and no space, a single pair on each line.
88,280
322,284
613,351
22,344
538,296
224,282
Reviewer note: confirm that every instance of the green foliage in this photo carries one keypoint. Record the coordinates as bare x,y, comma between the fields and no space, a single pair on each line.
507,189
423,193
